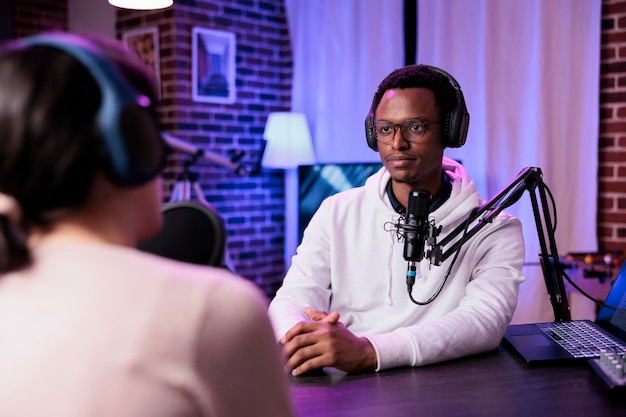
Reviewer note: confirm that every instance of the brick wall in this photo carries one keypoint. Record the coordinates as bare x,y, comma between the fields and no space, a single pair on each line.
252,205
612,152
29,17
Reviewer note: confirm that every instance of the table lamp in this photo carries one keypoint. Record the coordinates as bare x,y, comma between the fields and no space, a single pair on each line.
288,145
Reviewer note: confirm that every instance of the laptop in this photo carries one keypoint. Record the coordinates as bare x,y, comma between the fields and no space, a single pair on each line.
569,340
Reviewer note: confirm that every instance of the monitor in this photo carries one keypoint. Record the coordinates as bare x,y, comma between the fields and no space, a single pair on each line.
317,182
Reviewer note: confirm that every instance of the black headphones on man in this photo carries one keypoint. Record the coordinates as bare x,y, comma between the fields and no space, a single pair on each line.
134,150
454,132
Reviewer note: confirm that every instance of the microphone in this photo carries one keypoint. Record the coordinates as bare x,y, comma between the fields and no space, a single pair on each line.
416,226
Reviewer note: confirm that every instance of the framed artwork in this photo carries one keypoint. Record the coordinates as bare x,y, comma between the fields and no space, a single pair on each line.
145,42
213,66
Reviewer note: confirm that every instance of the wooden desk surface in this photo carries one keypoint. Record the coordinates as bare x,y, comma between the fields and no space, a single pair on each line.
498,383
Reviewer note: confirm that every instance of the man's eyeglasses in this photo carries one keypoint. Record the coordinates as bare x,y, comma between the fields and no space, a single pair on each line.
412,130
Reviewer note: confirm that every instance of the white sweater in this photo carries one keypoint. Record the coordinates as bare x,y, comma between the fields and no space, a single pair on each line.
103,330
349,262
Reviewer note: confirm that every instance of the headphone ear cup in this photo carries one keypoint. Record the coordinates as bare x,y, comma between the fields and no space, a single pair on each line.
370,132
461,125
447,135
457,124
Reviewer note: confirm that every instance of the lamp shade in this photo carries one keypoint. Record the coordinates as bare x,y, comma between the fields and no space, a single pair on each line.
141,4
288,141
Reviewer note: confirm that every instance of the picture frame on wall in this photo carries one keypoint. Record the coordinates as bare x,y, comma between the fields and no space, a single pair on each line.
213,66
145,42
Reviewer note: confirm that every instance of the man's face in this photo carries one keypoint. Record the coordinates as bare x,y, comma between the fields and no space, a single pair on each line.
415,163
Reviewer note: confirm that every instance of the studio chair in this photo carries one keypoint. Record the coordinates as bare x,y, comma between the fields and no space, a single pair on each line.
191,232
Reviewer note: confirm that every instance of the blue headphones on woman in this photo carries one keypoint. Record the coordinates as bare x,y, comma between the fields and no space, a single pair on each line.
135,150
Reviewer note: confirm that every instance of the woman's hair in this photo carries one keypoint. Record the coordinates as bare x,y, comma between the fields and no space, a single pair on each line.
50,146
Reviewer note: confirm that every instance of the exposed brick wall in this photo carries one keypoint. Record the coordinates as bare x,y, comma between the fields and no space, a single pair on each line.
252,206
612,152
29,17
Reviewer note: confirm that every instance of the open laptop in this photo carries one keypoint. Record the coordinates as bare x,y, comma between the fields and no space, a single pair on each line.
541,342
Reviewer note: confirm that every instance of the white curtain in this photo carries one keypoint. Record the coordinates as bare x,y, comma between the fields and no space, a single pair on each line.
529,71
341,50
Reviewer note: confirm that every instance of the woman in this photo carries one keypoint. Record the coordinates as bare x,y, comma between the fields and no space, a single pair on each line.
90,326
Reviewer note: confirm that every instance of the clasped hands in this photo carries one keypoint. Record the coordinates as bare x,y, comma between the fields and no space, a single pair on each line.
326,342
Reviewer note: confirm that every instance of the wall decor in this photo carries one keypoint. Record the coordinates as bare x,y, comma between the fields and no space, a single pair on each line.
213,66
145,42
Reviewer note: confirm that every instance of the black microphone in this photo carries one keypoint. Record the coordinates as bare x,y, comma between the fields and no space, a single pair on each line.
416,226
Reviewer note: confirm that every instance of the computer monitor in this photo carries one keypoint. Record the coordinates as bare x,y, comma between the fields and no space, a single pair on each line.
317,182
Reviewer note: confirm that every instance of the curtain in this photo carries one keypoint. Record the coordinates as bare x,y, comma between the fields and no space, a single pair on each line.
529,71
341,50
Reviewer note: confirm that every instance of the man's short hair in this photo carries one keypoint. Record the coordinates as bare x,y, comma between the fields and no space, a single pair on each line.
420,76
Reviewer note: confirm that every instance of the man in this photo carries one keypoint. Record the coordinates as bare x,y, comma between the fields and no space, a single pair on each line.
344,301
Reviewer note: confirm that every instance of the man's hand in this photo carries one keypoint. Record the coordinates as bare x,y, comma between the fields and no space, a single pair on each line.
322,316
325,341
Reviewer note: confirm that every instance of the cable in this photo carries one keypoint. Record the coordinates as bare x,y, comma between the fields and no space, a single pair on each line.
410,271
549,192
562,271
580,290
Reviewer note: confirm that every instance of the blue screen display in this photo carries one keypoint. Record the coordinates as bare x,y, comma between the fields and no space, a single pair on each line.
612,315
317,182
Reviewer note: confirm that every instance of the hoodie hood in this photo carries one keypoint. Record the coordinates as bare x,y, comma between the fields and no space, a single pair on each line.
463,196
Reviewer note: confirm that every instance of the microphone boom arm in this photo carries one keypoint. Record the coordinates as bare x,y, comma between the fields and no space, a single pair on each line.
198,152
529,179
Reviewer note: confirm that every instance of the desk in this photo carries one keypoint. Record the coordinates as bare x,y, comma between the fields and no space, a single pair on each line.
497,383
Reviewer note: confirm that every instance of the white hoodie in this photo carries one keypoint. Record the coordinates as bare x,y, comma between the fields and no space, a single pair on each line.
350,262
